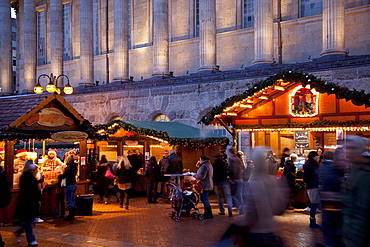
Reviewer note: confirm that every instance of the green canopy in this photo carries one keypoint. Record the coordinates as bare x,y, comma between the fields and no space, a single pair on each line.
172,132
175,129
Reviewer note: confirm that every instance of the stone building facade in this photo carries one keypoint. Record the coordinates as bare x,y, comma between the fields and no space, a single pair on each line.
180,58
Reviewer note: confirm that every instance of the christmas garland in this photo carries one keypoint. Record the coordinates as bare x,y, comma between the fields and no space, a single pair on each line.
313,124
111,128
357,97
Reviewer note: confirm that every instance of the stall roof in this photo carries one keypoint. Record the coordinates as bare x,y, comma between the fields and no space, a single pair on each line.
172,132
271,105
175,129
15,110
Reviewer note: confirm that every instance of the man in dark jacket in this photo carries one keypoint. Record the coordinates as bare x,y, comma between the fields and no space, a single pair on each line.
222,187
174,166
289,174
163,166
311,178
153,177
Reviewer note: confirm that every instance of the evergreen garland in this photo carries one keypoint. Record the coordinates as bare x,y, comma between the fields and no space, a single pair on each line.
357,97
118,124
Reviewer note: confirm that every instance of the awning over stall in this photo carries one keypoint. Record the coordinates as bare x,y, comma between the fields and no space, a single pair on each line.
173,133
38,116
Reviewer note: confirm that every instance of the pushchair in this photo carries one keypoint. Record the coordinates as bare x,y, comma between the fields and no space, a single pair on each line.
183,202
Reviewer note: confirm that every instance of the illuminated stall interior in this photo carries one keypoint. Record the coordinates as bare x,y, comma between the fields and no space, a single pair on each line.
294,110
152,138
26,121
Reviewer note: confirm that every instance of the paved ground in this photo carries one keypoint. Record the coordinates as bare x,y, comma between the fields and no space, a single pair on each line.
150,225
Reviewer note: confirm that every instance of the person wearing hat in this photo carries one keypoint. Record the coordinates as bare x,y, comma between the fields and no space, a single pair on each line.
20,160
51,163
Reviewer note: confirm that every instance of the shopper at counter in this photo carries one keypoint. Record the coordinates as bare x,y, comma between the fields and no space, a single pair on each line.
27,208
153,176
102,181
70,183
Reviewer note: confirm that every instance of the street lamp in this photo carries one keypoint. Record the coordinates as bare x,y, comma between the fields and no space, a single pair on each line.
51,87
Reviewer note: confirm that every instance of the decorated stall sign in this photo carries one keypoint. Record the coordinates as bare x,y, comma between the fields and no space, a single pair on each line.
69,136
304,102
51,117
302,139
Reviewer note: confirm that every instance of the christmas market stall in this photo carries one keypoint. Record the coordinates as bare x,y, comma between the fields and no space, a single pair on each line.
294,110
152,138
29,124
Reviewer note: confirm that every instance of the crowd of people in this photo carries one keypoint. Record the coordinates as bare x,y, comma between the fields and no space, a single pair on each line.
336,184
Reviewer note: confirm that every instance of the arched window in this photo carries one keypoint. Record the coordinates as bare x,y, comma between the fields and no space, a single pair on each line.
161,118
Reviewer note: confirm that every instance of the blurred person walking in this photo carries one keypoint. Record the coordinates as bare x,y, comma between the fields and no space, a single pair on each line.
124,181
331,174
235,166
311,178
262,200
153,176
356,205
27,208
221,185
205,175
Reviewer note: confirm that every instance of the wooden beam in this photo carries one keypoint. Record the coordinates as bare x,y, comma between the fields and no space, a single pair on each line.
225,126
9,161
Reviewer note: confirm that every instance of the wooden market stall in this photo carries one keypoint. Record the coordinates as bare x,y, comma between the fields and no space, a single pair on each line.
152,138
295,110
32,118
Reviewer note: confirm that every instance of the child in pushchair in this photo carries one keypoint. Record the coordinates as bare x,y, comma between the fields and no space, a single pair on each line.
183,201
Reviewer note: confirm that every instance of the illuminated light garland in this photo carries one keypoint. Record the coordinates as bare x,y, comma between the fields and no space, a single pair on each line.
285,78
314,126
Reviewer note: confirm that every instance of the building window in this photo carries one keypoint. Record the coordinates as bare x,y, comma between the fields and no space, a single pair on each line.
161,118
129,19
248,13
311,7
67,31
96,26
196,18
41,38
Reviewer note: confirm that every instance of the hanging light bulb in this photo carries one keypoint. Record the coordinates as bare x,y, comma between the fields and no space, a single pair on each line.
38,89
68,89
51,88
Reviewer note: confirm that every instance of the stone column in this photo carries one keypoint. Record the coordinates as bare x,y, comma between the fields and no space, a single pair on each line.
86,43
30,47
333,27
207,35
5,48
56,37
160,38
263,32
121,45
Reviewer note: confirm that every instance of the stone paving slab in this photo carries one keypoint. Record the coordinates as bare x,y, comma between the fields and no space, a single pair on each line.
150,225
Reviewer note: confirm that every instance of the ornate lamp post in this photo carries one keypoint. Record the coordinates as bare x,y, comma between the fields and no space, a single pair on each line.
51,87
